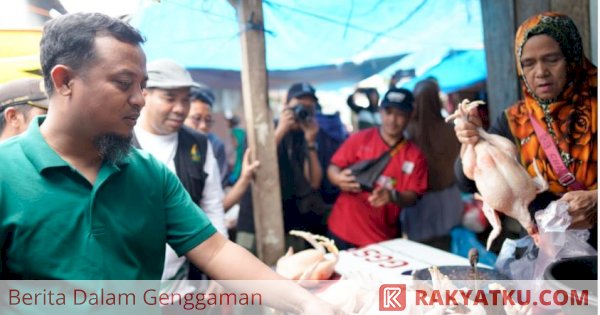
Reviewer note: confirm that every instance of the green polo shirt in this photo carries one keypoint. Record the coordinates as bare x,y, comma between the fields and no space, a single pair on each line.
55,225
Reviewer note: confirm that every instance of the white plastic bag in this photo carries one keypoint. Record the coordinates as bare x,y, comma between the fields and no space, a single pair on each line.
521,259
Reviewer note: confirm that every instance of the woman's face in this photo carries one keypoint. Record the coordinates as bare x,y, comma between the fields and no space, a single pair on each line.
544,66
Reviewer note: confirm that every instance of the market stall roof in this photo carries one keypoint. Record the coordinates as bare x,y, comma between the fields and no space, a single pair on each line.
333,44
456,71
303,35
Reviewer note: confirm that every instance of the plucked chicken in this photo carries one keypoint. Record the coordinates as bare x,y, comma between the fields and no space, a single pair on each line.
309,264
503,183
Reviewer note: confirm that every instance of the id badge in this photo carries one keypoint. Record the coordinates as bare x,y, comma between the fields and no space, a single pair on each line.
408,167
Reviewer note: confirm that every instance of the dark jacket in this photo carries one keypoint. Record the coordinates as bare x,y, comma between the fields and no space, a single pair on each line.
189,160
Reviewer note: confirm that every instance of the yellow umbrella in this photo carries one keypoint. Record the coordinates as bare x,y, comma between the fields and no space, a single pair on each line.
19,54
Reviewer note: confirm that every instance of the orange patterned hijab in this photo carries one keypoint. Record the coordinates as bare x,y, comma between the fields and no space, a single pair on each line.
571,119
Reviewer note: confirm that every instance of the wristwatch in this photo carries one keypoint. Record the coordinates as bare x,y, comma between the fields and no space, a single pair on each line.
395,195
313,147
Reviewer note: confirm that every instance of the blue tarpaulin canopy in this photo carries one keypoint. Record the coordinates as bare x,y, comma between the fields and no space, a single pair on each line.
338,42
458,70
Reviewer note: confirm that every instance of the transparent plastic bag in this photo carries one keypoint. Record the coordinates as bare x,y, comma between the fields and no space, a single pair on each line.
521,259
516,258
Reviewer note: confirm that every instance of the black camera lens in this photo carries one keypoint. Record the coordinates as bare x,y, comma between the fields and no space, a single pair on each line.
301,113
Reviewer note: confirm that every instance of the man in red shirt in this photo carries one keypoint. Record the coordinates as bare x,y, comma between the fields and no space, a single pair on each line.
359,217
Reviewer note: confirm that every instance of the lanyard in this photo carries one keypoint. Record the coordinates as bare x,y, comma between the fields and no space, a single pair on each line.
565,177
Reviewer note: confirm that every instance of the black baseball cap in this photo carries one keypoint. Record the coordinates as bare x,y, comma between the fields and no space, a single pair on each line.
203,95
398,97
301,89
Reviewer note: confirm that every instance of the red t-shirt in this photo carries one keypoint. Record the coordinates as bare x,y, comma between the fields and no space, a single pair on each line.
352,218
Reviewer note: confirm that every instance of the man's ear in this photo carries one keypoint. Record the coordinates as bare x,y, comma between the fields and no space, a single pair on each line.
11,116
62,79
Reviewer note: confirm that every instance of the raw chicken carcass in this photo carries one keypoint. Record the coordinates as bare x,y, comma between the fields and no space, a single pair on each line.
503,183
309,264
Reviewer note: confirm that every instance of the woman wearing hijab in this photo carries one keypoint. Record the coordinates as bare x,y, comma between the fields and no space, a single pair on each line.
440,208
560,104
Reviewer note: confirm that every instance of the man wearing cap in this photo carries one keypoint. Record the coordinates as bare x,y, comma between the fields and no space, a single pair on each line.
20,101
300,172
361,217
200,119
187,153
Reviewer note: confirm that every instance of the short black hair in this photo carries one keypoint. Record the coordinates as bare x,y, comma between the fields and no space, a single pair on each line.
69,40
203,95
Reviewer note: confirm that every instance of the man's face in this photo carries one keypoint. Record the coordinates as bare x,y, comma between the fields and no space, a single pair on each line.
544,66
107,96
200,117
393,121
166,110
307,101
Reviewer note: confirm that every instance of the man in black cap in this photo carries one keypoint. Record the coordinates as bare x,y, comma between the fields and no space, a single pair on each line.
300,172
367,213
20,101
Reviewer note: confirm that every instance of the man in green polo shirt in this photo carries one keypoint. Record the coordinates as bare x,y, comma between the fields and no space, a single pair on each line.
77,202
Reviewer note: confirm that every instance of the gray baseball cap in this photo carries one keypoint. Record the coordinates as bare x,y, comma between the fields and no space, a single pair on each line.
168,74
26,91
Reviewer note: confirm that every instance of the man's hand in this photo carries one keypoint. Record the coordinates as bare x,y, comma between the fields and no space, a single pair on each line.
583,208
380,197
347,182
311,129
248,167
285,124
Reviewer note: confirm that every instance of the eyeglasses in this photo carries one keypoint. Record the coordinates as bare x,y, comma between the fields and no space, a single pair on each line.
197,120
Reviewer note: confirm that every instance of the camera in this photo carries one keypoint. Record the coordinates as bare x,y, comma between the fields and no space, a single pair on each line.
301,113
364,98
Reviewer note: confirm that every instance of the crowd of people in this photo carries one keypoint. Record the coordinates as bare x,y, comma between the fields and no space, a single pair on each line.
124,149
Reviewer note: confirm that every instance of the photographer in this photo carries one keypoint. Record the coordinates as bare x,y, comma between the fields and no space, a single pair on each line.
297,130
300,172
363,102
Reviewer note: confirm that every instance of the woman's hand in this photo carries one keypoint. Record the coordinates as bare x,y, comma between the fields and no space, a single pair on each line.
466,131
583,208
